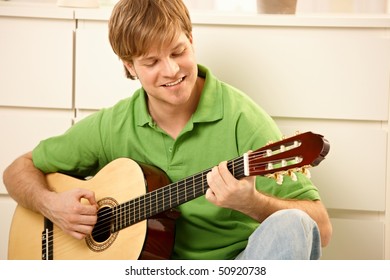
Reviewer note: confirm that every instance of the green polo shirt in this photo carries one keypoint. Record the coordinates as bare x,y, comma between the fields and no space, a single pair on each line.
225,125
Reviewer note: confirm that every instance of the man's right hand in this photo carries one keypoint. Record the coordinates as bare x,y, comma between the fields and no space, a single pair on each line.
69,211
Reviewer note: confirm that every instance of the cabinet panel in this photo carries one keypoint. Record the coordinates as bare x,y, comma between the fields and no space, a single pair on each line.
356,240
23,129
36,62
353,176
303,72
100,76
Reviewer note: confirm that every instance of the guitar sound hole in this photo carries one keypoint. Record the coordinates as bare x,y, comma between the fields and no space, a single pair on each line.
102,230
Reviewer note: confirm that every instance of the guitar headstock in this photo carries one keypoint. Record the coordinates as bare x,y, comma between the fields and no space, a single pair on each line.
293,154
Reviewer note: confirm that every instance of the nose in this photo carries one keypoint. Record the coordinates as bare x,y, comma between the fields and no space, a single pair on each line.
170,67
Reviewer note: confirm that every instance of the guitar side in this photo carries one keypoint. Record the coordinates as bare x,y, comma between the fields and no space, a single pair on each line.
122,178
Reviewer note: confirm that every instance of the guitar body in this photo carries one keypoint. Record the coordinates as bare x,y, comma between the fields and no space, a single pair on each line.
120,181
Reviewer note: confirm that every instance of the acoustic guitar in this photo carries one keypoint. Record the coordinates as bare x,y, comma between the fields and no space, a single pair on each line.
136,216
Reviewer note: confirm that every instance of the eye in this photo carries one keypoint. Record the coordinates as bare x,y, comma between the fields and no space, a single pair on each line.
150,63
179,52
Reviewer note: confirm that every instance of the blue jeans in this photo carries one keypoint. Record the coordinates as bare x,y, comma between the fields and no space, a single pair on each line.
285,235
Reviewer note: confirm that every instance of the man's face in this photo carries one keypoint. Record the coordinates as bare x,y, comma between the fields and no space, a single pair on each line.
167,73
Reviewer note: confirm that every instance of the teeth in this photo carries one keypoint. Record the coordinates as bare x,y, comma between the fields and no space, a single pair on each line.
174,83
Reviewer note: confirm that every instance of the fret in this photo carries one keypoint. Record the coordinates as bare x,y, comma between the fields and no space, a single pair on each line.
143,206
156,200
236,167
185,189
193,186
205,185
173,192
127,214
150,204
137,209
165,204
198,188
147,204
203,180
123,216
119,216
160,200
144,203
113,226
131,205
170,197
120,210
177,194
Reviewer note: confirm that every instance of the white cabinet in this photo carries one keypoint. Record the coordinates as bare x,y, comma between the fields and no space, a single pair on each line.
36,82
100,75
22,129
36,62
356,239
303,72
347,178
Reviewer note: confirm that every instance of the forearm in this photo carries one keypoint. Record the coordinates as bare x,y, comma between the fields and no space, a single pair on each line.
25,183
263,206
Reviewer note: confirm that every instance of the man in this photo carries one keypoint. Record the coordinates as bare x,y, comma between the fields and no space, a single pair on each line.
183,120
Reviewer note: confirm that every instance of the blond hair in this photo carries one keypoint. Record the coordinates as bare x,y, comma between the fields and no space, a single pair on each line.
136,26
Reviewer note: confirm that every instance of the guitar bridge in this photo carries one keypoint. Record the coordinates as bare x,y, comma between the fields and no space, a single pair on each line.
47,240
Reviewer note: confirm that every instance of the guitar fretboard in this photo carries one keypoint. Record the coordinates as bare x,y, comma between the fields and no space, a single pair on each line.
168,197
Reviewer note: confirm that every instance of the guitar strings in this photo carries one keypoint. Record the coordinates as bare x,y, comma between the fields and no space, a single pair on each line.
69,248
178,190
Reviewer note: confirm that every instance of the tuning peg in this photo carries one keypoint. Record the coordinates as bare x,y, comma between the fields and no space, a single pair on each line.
279,178
306,172
292,175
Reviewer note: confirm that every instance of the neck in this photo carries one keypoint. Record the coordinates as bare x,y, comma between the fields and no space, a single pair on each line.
172,119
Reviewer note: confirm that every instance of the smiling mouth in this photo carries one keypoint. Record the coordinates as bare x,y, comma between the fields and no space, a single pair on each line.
174,83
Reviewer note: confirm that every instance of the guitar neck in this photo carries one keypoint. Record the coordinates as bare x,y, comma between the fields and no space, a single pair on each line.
294,154
168,197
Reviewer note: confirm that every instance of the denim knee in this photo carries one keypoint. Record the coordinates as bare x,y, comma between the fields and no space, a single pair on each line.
292,217
286,234
302,232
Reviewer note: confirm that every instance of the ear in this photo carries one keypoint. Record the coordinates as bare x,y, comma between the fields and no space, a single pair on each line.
130,67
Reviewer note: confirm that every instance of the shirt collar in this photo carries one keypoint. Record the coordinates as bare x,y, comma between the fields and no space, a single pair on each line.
143,114
210,107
